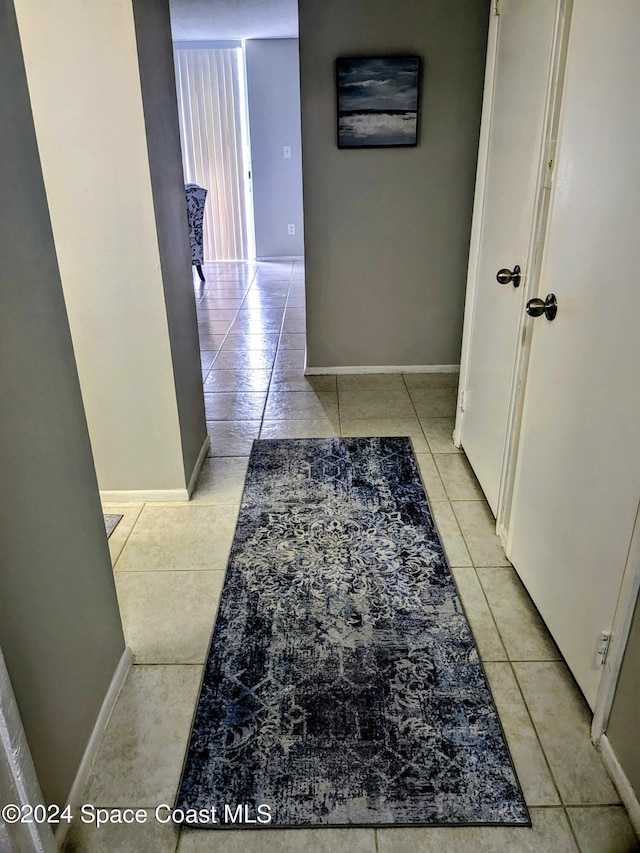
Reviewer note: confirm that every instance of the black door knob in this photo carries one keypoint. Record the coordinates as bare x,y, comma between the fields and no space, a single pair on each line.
506,276
537,307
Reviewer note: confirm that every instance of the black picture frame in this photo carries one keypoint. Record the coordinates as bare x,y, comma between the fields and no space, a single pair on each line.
378,101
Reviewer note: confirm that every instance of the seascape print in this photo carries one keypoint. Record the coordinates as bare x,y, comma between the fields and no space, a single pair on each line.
377,102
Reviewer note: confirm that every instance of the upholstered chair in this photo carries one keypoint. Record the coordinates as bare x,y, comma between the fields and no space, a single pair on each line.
196,197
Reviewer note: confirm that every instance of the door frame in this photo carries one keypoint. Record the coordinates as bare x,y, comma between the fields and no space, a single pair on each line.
535,245
19,783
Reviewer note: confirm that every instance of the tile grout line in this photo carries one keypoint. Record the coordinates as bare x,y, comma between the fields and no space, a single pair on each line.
254,284
169,664
571,829
535,729
273,363
446,488
455,518
341,427
473,561
424,435
149,572
491,613
176,848
124,544
510,662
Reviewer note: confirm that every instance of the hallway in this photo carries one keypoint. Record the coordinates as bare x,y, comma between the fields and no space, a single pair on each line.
169,561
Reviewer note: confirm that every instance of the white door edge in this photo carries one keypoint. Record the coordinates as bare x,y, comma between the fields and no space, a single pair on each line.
477,215
533,265
620,629
19,783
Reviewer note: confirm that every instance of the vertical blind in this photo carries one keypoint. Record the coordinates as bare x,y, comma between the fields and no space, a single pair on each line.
209,108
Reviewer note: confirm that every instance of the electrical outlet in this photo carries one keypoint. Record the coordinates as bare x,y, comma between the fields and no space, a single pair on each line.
287,152
291,230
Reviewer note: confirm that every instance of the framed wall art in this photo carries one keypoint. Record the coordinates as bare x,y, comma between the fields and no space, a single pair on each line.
377,101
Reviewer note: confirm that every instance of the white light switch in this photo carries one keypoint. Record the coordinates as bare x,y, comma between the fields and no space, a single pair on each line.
287,152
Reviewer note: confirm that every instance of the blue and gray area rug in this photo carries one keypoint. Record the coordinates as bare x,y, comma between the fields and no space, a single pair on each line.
111,521
343,685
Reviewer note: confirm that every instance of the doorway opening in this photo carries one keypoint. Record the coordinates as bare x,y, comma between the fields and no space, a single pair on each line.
214,134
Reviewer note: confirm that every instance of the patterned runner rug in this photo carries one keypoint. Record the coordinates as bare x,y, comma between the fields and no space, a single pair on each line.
343,685
111,521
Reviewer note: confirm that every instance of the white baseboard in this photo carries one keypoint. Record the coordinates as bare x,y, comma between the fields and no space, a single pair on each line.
196,468
385,368
76,794
619,778
158,495
276,258
139,496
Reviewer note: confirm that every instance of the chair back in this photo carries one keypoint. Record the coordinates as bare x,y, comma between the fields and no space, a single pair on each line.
196,197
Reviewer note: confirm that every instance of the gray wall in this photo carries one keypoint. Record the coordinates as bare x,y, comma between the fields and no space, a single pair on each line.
387,230
623,723
59,624
273,84
155,54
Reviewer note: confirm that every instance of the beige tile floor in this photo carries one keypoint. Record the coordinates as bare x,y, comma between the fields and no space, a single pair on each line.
169,565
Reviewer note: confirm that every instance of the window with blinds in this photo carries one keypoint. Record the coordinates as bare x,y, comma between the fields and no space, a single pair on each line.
212,107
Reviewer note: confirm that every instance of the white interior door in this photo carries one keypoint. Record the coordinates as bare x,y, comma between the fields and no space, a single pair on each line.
517,118
577,481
